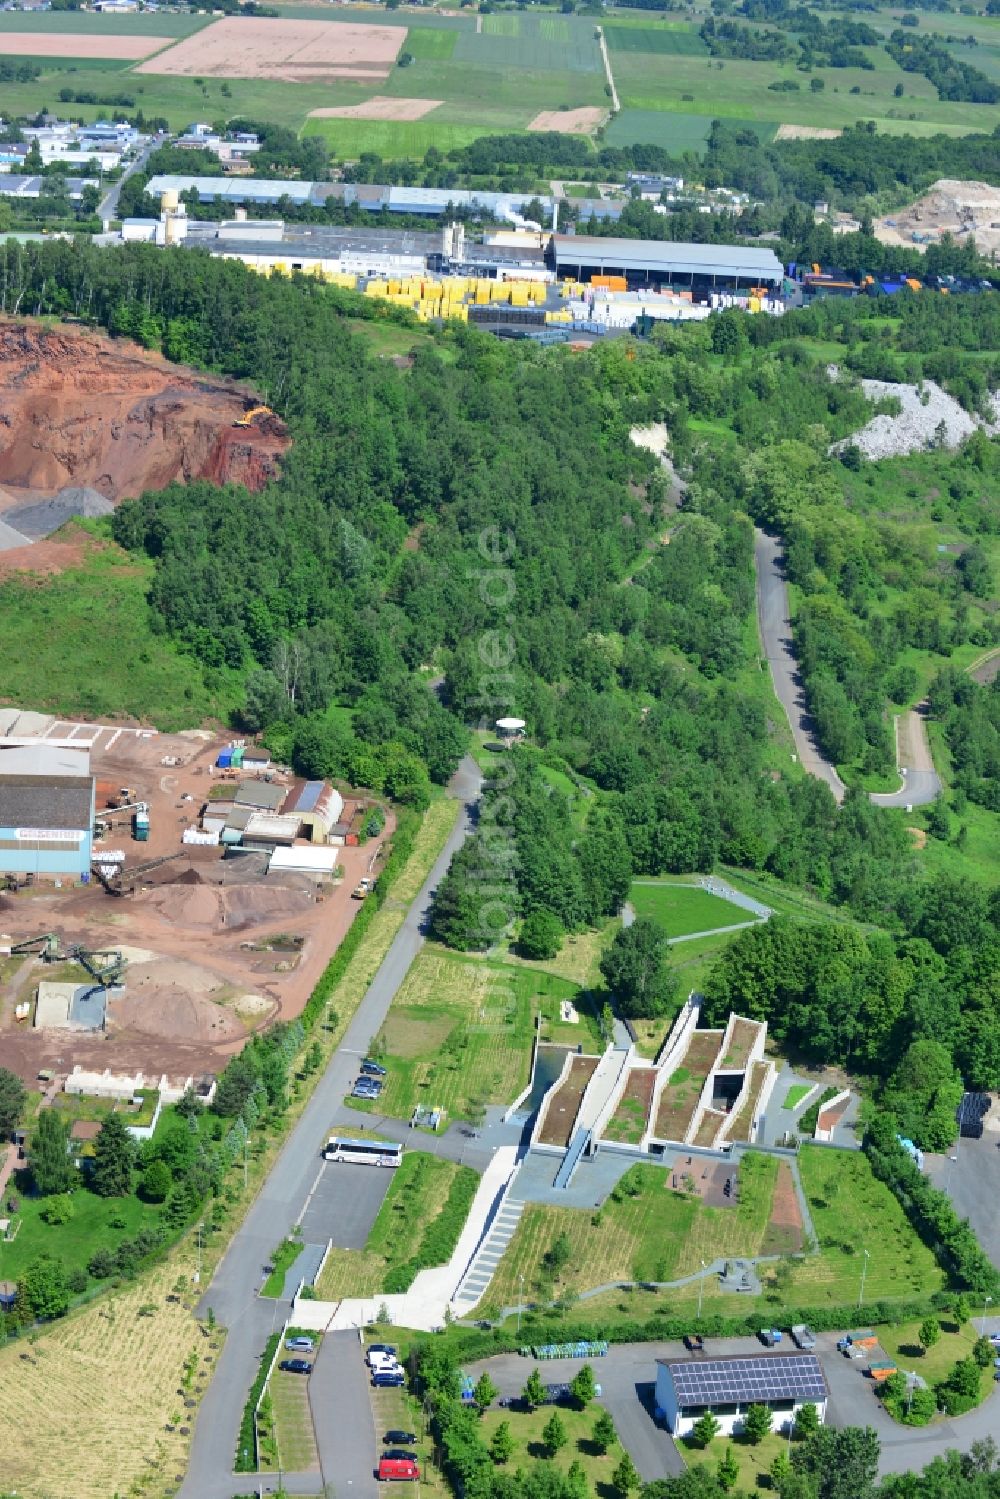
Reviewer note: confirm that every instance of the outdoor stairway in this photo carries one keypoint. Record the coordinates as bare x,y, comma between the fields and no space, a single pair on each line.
487,1257
571,1159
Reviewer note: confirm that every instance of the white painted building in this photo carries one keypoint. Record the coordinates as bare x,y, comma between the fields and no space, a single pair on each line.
687,1389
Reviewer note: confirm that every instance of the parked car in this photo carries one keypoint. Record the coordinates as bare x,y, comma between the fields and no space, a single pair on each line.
401,1454
303,1344
380,1348
373,1069
296,1366
393,1469
694,1342
770,1336
399,1438
359,1092
384,1379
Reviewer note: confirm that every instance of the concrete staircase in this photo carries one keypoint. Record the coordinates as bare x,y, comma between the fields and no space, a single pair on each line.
477,1278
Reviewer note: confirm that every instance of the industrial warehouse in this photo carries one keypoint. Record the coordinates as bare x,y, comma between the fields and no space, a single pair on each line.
521,279
46,809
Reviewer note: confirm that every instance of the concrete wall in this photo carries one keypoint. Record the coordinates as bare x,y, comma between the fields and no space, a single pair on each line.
669,1058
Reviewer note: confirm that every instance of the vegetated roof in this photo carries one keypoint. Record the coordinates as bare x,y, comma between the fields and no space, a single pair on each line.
45,802
719,1381
667,256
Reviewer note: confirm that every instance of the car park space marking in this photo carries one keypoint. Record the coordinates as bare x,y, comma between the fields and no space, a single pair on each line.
312,1189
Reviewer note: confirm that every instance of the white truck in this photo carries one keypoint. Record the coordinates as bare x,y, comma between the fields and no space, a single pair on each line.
804,1336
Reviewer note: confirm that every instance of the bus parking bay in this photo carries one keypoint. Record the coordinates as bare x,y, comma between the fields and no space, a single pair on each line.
344,1204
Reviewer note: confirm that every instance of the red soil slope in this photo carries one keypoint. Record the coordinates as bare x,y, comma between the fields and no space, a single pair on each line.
77,408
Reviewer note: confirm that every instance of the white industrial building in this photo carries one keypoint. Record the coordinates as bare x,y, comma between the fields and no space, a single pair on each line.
687,1389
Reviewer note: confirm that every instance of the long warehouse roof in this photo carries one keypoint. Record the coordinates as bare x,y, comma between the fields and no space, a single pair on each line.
666,256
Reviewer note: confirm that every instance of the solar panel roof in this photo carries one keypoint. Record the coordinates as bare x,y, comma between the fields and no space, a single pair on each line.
782,1376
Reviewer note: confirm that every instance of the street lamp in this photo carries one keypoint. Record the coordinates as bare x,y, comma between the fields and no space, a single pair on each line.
519,1303
701,1290
982,1328
864,1272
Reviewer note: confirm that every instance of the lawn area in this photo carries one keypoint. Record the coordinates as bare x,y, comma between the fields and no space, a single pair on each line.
282,1260
578,960
97,1223
291,1422
903,1345
852,1212
526,1428
755,1462
81,644
795,1095
646,1231
683,909
416,1197
392,139
459,1031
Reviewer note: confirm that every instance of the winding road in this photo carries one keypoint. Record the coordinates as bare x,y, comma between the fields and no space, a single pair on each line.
232,1295
919,782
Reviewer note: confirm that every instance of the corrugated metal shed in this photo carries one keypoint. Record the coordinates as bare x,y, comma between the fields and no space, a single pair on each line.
263,794
666,257
317,861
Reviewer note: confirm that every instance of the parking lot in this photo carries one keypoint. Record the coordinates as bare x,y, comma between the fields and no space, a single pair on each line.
972,1181
344,1204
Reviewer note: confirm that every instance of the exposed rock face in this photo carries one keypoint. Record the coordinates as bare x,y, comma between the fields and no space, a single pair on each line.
80,409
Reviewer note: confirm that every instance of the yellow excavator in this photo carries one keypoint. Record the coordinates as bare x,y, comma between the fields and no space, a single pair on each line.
248,418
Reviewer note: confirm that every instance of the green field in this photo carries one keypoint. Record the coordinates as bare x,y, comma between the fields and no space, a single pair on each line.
460,1031
81,644
553,44
661,41
675,132
97,1223
646,1231
87,23
425,43
391,138
526,1428
851,1212
681,909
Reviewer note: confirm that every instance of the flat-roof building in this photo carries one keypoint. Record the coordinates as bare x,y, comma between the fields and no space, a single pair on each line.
653,262
687,1389
46,810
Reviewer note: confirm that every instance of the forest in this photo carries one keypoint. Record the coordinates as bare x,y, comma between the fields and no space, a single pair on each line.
356,580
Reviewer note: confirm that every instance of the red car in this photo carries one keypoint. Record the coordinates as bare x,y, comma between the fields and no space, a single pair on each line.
394,1468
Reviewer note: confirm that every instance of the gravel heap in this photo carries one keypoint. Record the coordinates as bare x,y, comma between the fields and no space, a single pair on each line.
928,418
45,516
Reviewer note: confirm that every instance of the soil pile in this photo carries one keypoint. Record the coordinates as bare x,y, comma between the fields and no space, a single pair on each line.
48,515
80,410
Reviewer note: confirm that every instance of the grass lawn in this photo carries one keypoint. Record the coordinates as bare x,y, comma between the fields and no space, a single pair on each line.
282,1260
416,1196
97,1223
795,1095
292,1419
392,139
683,909
80,644
460,1030
851,1212
755,1462
658,1234
579,958
526,1428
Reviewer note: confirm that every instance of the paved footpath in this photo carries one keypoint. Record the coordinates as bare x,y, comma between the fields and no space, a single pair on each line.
232,1294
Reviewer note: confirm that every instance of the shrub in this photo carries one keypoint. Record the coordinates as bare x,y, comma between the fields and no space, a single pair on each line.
58,1210
441,1234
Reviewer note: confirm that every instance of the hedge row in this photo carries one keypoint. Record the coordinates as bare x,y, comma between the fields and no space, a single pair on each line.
930,1212
468,1344
806,1126
439,1238
402,846
246,1442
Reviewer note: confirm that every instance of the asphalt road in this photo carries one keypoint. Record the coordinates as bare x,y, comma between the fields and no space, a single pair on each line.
342,1416
919,786
232,1294
972,1181
776,640
344,1205
107,209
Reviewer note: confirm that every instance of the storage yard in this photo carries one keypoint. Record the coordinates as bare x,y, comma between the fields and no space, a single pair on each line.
209,941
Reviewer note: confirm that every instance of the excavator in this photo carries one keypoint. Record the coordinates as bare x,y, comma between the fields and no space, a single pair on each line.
249,417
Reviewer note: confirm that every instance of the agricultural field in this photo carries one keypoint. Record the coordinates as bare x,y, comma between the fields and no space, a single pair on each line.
459,1033
416,1197
286,50
646,1231
851,1212
683,909
83,1374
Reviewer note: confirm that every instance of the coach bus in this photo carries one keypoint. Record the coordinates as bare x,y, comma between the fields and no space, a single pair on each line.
363,1152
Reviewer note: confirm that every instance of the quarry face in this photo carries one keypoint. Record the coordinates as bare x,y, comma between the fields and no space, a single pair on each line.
82,411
